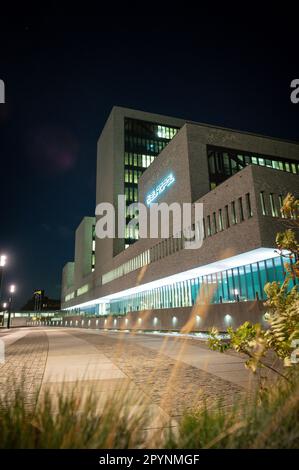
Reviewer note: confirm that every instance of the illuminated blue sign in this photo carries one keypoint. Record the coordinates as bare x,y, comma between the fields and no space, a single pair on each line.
165,183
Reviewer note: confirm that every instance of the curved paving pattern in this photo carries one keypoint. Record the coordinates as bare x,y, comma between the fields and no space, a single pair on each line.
25,360
167,376
172,384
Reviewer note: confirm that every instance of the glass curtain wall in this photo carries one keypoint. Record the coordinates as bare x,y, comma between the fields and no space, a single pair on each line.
143,142
224,163
232,285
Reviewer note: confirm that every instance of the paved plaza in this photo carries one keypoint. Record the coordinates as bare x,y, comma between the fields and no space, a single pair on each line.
167,375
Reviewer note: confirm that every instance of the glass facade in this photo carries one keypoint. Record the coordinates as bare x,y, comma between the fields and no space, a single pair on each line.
135,263
224,163
143,142
232,285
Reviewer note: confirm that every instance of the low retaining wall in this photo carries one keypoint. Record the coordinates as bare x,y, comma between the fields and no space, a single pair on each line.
197,318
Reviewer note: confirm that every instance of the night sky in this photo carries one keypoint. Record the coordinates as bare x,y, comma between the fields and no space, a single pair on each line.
61,83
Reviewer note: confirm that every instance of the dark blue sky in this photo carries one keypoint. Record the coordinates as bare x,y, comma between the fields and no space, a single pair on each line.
60,88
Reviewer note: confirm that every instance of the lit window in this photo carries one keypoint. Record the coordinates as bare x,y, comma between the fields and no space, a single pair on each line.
275,164
273,206
220,220
233,210
209,226
280,199
248,204
83,289
241,209
262,199
227,217
214,223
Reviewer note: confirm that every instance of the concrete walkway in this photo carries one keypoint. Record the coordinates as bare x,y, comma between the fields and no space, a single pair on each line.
11,336
76,367
226,366
163,375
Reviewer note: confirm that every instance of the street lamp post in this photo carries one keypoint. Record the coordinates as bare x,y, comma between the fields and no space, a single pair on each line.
11,291
3,312
2,264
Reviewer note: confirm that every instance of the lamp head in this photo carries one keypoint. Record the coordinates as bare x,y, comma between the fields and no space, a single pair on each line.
12,288
3,260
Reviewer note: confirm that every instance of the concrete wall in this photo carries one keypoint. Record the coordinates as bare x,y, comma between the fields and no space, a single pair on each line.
67,283
83,250
187,319
78,273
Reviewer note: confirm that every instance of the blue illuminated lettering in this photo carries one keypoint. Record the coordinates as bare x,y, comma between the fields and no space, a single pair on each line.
165,183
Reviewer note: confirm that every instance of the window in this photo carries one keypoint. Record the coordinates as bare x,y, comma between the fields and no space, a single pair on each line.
212,163
247,160
220,220
143,140
82,290
234,166
262,199
248,205
214,223
69,296
209,226
227,217
236,284
241,209
273,206
261,162
224,163
275,164
233,210
280,199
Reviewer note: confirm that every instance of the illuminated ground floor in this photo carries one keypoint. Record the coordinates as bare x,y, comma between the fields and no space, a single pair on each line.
239,279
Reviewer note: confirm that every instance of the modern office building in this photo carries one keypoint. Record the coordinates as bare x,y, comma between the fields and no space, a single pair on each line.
157,283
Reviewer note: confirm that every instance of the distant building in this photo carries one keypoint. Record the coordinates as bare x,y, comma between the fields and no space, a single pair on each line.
39,302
